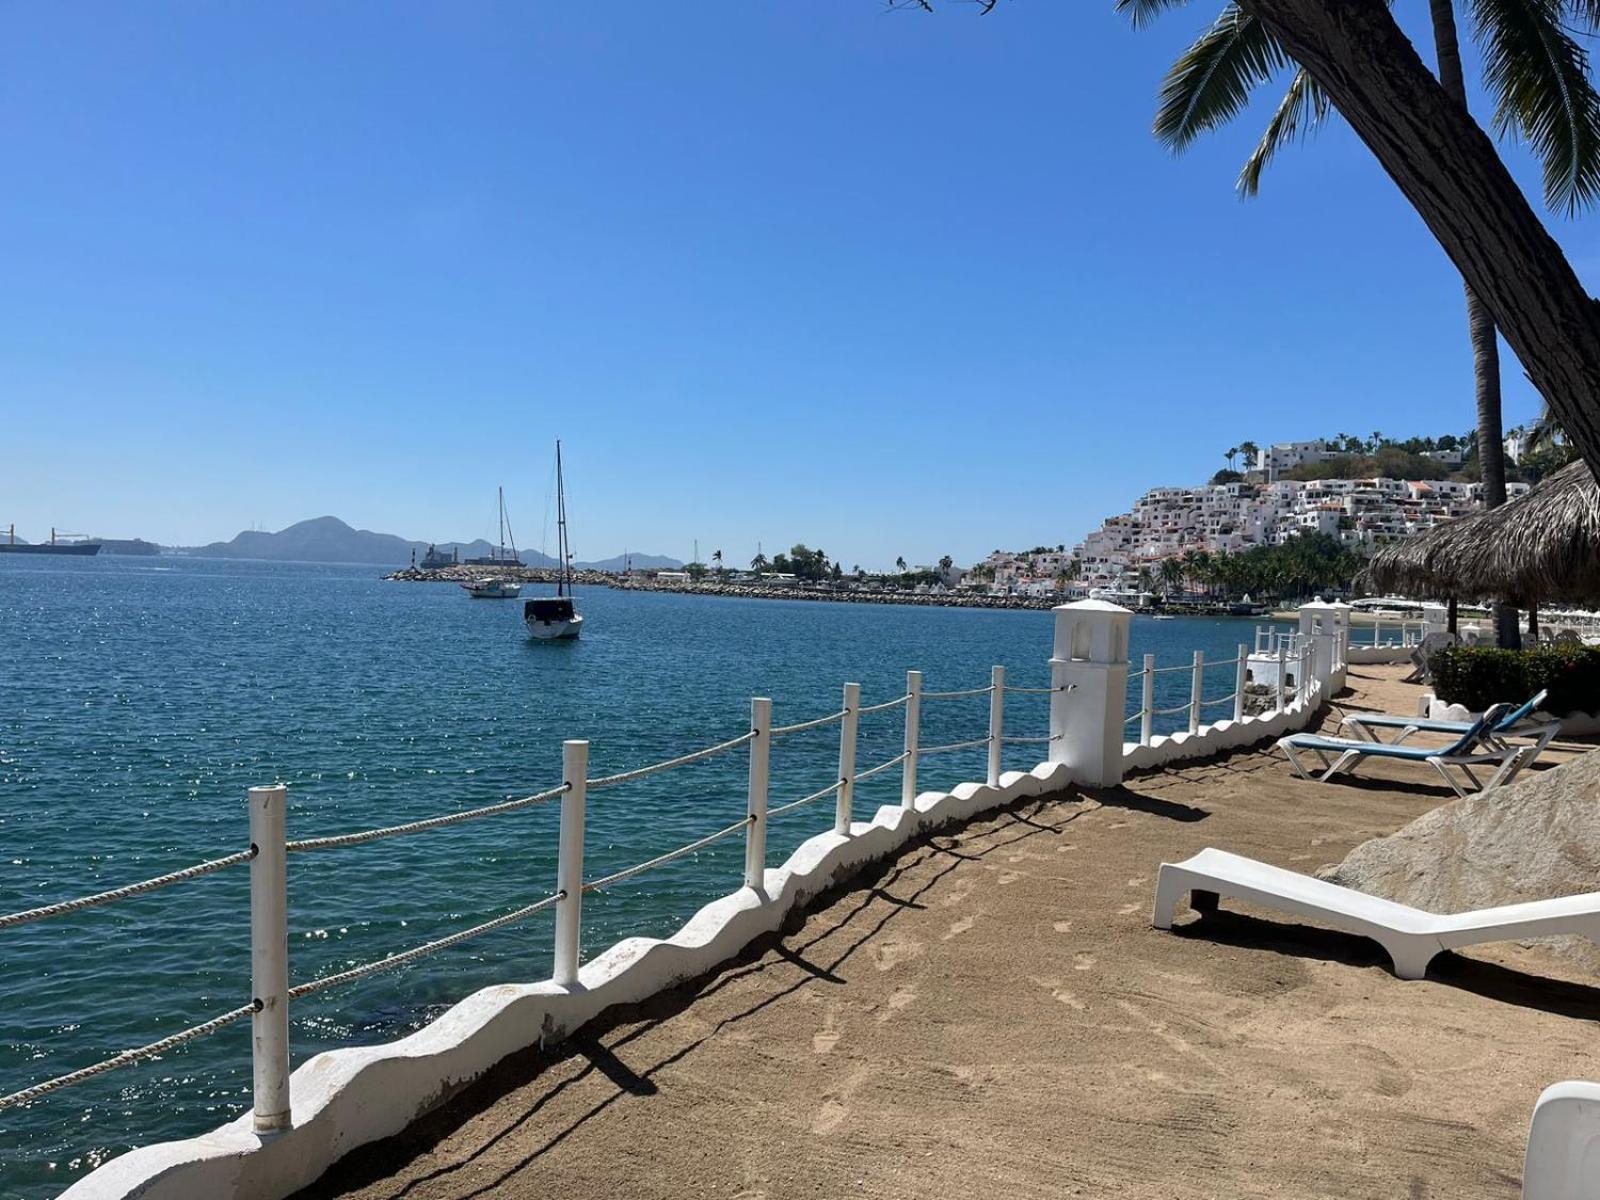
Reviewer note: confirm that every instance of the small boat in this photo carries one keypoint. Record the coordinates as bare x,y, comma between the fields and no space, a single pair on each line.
492,589
555,618
1163,617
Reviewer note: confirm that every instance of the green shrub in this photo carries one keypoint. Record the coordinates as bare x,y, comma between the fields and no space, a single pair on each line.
1478,676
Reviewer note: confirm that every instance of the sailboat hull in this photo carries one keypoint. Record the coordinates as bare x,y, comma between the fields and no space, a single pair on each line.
555,631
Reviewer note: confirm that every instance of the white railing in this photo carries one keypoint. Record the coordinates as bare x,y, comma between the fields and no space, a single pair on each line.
270,847
1394,635
1292,652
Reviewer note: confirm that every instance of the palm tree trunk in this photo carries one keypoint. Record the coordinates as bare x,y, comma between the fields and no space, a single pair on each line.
1485,345
1445,164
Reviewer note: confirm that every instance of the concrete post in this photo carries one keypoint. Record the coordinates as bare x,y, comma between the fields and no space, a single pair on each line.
755,838
1241,677
1089,696
908,775
844,811
1197,689
1147,701
269,957
1283,669
569,861
997,722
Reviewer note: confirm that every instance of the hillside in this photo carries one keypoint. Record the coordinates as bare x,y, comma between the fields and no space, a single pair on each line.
330,540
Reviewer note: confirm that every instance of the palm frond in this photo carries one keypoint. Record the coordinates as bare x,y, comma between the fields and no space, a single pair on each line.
1305,106
1212,80
1143,12
1540,78
1585,13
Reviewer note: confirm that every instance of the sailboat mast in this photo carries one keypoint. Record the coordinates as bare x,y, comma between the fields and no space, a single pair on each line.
502,493
564,579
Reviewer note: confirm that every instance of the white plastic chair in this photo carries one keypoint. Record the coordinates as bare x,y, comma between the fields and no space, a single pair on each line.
1563,1158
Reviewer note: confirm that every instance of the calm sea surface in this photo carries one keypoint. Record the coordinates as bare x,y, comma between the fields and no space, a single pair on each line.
140,698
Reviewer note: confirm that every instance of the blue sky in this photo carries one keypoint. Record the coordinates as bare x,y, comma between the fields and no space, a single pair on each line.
776,271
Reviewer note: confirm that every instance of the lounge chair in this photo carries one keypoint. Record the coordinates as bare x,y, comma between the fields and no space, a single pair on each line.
1411,936
1469,750
1519,722
1563,1158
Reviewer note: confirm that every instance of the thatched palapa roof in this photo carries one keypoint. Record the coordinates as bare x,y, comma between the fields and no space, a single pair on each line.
1540,547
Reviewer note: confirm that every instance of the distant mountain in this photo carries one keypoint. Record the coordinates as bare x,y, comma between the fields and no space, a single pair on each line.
330,540
127,546
639,562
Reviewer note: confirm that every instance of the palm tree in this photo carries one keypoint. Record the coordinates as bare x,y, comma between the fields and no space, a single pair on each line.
1249,450
1230,454
759,562
900,563
1171,572
1537,71
716,557
945,564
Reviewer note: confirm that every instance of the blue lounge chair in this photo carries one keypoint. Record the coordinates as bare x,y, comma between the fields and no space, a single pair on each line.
1469,750
1517,723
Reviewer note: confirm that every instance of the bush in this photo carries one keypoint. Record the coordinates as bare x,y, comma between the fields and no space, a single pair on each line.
1478,676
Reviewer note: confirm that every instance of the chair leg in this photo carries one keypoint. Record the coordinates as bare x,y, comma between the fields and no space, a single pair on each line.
1411,956
1170,886
1349,756
1438,765
1294,760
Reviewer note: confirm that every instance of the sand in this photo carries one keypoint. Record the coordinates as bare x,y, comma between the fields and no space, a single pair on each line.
992,1015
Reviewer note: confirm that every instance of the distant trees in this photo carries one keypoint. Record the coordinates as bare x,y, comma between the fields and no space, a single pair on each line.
1171,573
900,564
1297,566
759,562
945,564
716,557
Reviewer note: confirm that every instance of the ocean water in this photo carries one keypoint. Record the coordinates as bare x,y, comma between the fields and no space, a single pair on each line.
140,698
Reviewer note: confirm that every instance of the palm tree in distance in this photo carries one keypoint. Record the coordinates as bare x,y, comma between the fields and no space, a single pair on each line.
1250,450
716,557
1171,572
1230,454
759,562
900,564
1537,71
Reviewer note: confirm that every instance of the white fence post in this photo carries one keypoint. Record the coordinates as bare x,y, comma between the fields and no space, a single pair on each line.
1089,690
1303,679
755,837
908,776
1197,690
1147,701
569,860
269,957
997,722
1283,668
1241,672
1377,632
844,813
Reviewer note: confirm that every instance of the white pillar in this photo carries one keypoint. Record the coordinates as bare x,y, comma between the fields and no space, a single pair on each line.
269,957
1283,669
1435,617
755,837
1147,701
844,811
997,722
908,774
1197,689
569,861
1242,672
1089,696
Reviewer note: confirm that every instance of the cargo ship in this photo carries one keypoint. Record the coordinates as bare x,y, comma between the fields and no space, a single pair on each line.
10,545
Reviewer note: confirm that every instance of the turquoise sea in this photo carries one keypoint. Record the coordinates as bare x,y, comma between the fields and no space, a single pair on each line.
140,698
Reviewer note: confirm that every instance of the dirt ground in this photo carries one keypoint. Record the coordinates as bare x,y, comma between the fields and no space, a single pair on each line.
992,1015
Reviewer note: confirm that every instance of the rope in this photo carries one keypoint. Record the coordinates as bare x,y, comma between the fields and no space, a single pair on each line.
1135,717
663,859
1219,700
982,691
1167,712
1046,691
781,730
395,960
127,1057
804,800
1165,670
983,741
883,766
122,893
1028,741
887,704
641,772
372,835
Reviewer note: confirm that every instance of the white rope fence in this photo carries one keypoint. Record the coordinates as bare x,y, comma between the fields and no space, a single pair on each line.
270,848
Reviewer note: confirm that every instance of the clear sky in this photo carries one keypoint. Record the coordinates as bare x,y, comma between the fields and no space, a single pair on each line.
775,270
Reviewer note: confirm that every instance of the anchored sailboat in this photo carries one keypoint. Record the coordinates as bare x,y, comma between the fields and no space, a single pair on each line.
497,589
549,618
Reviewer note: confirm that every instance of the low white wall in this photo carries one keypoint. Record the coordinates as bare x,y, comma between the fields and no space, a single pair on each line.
347,1098
1225,735
1370,655
1578,724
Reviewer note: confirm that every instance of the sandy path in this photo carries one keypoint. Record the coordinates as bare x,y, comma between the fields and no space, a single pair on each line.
992,1015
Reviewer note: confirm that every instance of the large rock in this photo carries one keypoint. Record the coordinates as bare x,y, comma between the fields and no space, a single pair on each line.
1533,840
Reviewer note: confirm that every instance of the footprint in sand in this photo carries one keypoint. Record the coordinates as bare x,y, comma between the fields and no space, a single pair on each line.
958,927
1064,848
893,953
1067,998
1009,877
958,896
829,1117
1083,961
824,1040
1062,927
1139,881
903,997
1129,909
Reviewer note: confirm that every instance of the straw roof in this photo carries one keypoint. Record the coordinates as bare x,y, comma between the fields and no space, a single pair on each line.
1540,547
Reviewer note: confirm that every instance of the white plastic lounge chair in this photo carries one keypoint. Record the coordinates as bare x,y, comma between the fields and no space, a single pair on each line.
1469,750
1517,723
1411,936
1563,1159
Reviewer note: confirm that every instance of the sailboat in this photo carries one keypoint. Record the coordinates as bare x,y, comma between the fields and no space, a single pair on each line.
550,618
496,589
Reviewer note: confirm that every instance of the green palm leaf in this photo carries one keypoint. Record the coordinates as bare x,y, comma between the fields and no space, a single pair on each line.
1540,78
1305,106
1212,80
1142,12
